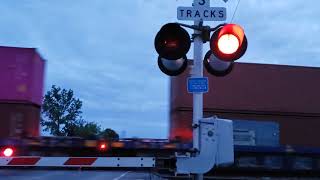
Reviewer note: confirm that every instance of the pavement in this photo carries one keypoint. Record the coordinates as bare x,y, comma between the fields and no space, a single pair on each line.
27,174
31,174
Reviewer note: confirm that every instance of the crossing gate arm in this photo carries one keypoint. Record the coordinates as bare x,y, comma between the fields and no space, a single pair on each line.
35,161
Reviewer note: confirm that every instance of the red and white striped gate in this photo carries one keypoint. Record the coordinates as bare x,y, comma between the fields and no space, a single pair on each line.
37,161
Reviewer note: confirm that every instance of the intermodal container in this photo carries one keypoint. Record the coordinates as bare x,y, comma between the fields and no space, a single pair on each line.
19,120
21,75
288,95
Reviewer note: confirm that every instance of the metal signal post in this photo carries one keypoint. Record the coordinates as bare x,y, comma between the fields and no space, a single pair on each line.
197,72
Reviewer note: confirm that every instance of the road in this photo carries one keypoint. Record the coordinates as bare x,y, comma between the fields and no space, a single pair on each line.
27,174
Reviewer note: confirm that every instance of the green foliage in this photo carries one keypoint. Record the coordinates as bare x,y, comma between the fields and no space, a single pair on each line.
62,117
62,112
87,130
109,134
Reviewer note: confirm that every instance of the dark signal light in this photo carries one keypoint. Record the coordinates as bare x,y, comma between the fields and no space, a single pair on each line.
172,42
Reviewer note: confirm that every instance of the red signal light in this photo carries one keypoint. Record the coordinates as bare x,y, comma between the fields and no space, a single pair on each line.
229,42
8,152
103,147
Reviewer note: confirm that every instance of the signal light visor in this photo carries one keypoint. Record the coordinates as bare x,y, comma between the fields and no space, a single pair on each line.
172,67
232,29
216,66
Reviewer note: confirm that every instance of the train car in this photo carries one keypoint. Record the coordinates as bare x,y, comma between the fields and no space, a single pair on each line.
287,95
21,92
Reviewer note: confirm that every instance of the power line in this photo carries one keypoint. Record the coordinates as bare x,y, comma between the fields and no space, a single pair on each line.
235,10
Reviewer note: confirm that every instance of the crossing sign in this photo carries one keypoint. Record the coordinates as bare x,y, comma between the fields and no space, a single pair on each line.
202,13
201,10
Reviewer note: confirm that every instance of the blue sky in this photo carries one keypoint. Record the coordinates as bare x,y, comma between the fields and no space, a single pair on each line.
103,49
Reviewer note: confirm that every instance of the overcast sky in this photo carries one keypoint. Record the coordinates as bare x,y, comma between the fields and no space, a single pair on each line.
103,49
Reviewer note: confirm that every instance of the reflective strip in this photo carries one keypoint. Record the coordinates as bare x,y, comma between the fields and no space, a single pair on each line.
90,143
170,146
24,161
117,145
80,161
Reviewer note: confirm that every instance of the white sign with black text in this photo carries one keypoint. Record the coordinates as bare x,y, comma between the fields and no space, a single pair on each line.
201,10
202,13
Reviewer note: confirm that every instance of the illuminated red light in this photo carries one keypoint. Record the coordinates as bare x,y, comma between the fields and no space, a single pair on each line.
230,38
229,43
8,152
103,146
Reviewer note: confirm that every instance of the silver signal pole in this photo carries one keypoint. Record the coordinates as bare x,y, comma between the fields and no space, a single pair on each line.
197,72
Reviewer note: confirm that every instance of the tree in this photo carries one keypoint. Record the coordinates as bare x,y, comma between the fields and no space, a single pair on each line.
87,130
62,116
109,134
62,112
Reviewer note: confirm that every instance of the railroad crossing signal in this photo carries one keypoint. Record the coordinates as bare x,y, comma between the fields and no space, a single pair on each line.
228,43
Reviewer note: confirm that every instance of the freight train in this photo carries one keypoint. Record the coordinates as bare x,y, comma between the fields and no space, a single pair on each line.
287,95
275,112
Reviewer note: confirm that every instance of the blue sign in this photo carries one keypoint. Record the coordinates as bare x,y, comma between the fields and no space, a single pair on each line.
198,85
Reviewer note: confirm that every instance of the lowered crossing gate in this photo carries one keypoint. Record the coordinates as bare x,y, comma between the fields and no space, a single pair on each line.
114,162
